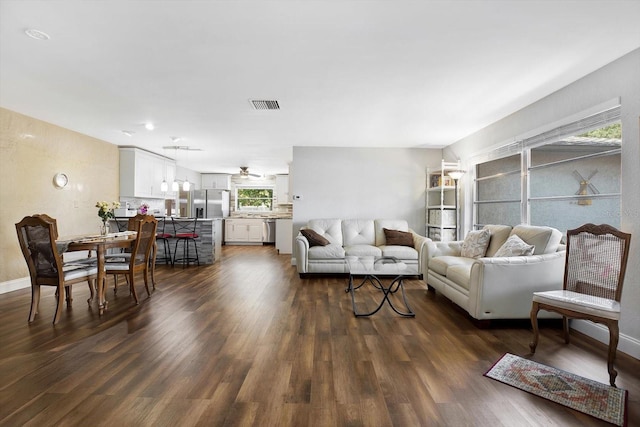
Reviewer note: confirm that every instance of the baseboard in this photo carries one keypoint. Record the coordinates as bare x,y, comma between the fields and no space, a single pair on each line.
626,344
14,285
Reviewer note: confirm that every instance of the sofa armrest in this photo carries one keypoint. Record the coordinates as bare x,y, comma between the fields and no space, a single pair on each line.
302,253
420,245
503,287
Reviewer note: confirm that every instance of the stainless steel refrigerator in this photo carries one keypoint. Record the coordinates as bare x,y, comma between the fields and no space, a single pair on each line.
210,203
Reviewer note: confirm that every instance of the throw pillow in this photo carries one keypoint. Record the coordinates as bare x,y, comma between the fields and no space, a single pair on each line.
475,244
314,238
514,246
398,238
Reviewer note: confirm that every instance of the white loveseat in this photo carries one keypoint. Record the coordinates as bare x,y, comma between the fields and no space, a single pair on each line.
355,237
490,287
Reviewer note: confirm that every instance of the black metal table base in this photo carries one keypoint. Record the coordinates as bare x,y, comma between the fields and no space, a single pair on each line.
396,285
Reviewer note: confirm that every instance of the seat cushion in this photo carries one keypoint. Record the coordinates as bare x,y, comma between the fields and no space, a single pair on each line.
400,252
441,264
460,274
582,303
545,239
362,250
329,251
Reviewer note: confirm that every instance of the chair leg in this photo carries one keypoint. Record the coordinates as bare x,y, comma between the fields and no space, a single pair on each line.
535,307
59,305
153,266
614,334
565,329
35,302
68,297
146,279
92,284
132,287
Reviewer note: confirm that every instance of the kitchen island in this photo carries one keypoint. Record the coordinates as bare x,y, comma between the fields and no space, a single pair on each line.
208,242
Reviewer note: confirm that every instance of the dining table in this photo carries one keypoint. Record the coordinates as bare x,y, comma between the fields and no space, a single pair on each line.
100,244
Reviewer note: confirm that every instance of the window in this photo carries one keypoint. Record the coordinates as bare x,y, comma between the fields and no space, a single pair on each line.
254,198
562,178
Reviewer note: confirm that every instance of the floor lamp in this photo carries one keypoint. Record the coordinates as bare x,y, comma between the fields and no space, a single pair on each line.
456,175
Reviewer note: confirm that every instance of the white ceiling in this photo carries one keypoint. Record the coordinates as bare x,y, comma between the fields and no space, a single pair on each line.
350,73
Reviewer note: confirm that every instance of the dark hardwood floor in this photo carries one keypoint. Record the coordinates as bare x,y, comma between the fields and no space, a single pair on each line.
247,342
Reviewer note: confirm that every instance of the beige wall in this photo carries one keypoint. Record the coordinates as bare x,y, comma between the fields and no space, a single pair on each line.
32,152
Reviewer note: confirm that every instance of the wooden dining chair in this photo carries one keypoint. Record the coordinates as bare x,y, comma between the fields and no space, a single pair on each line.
596,261
37,235
138,260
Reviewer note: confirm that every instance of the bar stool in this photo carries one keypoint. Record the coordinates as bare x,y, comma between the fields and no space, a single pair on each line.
185,232
163,236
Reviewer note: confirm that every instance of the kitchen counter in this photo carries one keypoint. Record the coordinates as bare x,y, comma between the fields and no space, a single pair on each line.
208,243
261,216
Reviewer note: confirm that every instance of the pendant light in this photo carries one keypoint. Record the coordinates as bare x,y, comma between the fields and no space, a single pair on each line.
164,187
175,186
186,185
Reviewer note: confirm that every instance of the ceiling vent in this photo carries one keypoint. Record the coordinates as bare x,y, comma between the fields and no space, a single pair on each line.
262,104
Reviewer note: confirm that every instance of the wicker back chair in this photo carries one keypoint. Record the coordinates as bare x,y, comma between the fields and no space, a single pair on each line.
595,267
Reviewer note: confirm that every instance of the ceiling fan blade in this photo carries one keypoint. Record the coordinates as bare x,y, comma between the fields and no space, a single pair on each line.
592,175
593,189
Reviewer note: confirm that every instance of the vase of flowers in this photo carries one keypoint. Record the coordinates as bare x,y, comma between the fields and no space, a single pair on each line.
105,212
142,210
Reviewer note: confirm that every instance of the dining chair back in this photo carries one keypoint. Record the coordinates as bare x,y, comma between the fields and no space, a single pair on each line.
37,235
185,232
138,260
596,262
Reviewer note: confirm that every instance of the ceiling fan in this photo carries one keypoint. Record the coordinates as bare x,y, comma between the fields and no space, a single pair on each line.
244,173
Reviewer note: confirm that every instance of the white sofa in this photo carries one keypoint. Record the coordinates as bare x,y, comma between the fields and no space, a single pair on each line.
355,237
492,287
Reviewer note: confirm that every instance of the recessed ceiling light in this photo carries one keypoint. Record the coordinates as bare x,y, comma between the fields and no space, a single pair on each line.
128,132
175,139
149,126
37,34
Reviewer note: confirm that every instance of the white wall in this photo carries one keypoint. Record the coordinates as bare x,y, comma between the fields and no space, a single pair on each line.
361,183
619,79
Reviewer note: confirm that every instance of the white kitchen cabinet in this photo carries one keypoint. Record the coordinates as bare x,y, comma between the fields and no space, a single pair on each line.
284,236
282,189
242,230
220,181
141,173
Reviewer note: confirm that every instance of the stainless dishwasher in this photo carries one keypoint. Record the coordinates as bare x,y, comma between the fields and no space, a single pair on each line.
269,231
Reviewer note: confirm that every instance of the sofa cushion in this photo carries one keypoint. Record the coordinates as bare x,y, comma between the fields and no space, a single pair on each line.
329,251
391,224
545,239
330,229
515,246
358,232
441,264
362,250
398,238
499,235
400,252
475,244
460,274
313,237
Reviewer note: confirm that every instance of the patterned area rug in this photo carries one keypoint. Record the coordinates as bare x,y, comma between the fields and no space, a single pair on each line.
590,397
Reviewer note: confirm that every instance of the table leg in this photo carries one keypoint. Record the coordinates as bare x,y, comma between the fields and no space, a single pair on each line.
100,285
377,283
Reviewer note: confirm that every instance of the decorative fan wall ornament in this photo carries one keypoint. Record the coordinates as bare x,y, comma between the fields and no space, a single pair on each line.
585,187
